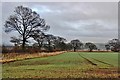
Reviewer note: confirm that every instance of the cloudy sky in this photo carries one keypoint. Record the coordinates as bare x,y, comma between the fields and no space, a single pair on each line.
87,21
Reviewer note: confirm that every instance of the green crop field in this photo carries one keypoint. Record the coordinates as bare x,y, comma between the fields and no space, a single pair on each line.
67,65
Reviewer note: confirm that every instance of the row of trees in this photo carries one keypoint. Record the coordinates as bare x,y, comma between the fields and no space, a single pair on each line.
56,43
29,24
51,43
43,41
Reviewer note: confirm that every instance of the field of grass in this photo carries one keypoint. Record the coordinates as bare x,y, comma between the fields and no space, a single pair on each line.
66,65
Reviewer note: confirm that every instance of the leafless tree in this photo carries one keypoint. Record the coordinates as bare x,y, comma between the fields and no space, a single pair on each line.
114,44
59,43
107,46
90,46
76,43
39,37
49,38
24,21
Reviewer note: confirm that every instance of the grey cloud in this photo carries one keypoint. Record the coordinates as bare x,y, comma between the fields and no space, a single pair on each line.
94,21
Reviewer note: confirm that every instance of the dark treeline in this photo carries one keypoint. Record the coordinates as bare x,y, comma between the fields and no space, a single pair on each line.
56,43
30,25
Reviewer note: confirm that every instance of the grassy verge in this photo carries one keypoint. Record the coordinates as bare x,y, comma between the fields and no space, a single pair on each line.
11,57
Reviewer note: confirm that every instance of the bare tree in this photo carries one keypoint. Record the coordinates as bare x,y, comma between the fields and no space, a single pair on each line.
114,44
90,46
24,21
107,46
59,43
50,41
76,43
68,46
39,37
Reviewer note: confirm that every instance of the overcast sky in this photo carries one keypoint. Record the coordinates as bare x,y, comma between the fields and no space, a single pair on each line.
87,21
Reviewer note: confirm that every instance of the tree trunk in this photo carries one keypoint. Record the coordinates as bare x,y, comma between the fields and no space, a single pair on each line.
23,44
24,39
74,49
49,47
40,45
90,50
